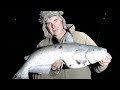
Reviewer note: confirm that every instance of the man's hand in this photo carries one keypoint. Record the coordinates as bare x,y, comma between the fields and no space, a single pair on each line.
106,60
57,64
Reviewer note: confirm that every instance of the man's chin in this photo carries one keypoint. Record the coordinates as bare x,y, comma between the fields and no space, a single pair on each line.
56,33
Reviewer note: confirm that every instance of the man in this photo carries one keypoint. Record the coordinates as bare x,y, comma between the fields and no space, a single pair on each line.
57,31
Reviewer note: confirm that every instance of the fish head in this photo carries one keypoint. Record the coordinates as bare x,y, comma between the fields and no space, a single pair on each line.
96,54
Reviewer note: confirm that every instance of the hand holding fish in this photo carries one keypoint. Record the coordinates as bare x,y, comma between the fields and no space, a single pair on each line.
106,60
57,64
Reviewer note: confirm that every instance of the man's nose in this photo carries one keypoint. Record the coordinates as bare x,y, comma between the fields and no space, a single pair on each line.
53,25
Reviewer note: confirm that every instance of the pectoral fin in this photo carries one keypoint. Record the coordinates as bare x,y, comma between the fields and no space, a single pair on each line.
41,69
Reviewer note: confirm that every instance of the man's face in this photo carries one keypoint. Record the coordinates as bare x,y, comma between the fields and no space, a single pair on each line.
55,25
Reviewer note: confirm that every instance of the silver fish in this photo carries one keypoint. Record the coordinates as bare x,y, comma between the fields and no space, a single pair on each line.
74,55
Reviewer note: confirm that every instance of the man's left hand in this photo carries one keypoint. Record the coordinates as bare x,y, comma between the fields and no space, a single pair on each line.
106,60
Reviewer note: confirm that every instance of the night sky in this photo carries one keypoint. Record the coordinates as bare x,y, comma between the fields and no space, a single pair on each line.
23,32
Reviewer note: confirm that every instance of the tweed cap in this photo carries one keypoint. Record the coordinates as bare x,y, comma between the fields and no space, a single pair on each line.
44,15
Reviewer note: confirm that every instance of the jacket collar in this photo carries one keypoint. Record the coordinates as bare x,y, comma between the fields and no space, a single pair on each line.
71,28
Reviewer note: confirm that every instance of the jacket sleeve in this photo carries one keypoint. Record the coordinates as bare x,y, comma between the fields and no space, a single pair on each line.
97,67
89,41
43,43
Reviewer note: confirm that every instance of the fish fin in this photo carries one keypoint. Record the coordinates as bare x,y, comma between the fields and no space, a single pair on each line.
40,69
26,57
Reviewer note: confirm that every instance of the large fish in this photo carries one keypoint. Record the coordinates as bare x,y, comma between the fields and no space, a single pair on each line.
74,55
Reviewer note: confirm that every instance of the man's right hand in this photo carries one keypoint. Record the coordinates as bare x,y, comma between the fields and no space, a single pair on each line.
57,65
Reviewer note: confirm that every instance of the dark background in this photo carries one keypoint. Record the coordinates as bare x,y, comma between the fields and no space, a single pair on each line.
23,32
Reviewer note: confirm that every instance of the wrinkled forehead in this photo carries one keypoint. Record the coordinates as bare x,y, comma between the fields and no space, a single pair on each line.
52,18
